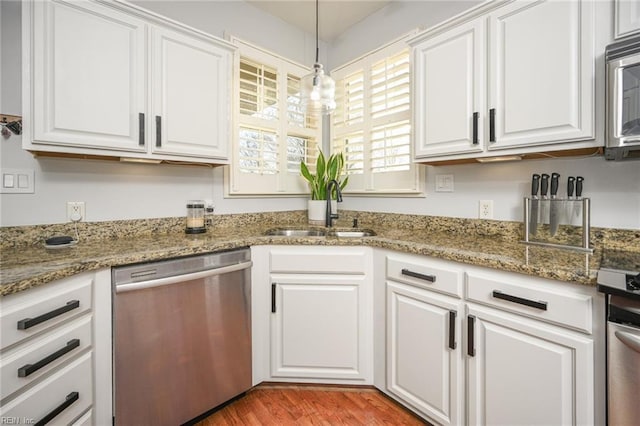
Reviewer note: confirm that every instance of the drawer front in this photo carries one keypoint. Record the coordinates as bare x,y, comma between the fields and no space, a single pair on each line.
425,273
68,391
32,360
324,260
30,312
85,420
523,297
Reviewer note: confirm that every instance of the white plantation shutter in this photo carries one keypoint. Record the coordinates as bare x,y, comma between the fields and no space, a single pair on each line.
372,122
273,132
390,80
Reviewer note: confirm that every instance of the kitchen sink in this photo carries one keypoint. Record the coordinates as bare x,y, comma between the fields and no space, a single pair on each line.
355,233
299,232
286,232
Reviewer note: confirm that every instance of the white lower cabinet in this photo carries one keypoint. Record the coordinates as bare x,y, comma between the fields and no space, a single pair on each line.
507,349
522,371
312,314
315,327
55,357
424,361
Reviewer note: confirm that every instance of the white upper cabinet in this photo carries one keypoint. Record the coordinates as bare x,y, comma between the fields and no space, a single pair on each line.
111,79
191,84
88,76
541,73
627,17
512,79
449,91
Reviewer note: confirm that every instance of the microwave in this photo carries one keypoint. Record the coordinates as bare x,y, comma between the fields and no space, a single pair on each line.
623,99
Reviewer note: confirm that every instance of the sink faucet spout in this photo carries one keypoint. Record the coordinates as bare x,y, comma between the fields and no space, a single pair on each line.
329,215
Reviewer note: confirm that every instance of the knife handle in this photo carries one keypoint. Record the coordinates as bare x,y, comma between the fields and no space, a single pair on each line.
535,184
570,184
579,181
544,184
555,180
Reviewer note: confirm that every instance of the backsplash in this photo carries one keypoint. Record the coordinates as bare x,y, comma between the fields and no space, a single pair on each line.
17,236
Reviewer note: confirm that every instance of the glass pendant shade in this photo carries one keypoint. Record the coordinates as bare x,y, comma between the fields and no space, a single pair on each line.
317,92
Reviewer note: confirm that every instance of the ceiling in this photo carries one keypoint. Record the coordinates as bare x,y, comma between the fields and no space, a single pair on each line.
335,16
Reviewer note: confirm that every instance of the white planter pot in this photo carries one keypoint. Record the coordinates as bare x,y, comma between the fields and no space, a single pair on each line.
317,210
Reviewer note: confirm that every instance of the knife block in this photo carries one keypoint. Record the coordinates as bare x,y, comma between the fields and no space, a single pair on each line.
568,211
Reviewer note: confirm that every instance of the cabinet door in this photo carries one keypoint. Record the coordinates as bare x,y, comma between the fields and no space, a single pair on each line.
526,372
319,327
88,76
541,73
627,17
424,361
449,91
191,85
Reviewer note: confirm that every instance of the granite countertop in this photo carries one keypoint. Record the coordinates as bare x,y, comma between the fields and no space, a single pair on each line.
28,266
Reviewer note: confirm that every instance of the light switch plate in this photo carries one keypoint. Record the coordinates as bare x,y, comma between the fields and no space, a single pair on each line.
18,181
444,183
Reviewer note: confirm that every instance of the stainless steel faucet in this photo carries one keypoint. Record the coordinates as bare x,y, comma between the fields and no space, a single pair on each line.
330,216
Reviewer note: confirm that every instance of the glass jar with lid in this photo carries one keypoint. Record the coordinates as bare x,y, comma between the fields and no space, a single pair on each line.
195,217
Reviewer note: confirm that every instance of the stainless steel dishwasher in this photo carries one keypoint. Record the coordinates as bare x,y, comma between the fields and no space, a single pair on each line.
182,337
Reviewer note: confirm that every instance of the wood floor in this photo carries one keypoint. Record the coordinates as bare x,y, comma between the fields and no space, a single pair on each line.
275,404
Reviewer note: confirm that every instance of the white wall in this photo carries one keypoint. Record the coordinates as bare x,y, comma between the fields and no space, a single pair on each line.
123,191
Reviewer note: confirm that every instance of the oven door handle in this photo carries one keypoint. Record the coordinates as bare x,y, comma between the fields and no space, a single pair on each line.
631,340
121,288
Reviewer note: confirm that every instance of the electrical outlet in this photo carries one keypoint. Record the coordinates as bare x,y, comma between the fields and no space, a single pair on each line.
485,210
75,211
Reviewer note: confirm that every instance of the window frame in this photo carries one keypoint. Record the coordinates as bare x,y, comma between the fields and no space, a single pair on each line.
409,183
284,183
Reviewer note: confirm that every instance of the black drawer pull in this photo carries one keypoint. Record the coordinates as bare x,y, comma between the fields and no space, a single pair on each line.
471,330
476,141
492,125
430,278
26,323
70,399
28,369
452,329
273,298
515,299
141,136
158,131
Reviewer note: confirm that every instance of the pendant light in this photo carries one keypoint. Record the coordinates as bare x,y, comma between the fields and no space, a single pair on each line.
317,90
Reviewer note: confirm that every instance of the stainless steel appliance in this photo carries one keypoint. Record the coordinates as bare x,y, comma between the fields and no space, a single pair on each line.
622,287
623,100
182,337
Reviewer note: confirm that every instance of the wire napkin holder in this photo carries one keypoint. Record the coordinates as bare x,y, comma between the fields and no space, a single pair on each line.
567,211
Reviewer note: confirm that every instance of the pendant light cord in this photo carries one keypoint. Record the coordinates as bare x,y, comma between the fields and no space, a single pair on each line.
317,49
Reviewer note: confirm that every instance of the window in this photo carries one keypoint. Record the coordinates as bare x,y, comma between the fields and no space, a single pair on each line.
273,132
372,123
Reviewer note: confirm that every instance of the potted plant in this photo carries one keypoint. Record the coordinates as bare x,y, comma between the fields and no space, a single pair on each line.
326,170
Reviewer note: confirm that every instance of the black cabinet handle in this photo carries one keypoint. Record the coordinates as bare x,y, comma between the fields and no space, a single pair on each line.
476,141
26,323
70,399
471,326
492,125
141,135
452,329
430,278
158,131
28,369
515,299
273,298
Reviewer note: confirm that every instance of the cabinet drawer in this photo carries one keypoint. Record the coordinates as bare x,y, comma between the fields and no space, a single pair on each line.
69,389
28,313
572,310
326,260
425,273
20,367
